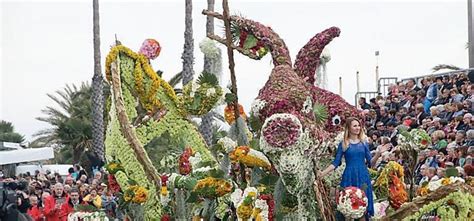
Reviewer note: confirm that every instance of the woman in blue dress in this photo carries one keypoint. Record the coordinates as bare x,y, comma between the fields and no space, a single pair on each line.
355,150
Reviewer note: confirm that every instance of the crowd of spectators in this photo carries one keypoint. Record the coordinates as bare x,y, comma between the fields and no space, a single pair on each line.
51,197
442,106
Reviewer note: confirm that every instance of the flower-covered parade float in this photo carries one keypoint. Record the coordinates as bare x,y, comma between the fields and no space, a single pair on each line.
261,168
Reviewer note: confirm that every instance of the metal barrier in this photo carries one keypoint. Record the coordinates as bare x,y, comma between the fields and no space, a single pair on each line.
419,78
384,84
367,94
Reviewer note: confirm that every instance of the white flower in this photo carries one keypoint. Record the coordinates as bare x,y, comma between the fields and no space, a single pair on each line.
202,169
456,179
307,105
434,185
210,92
345,205
191,94
194,87
256,106
209,48
195,160
250,190
263,206
228,144
236,197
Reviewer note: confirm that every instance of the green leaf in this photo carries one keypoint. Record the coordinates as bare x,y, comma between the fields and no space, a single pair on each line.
217,173
209,78
193,198
255,123
250,42
230,98
190,183
269,180
321,113
255,144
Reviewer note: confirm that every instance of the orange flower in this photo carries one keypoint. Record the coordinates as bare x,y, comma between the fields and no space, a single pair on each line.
229,113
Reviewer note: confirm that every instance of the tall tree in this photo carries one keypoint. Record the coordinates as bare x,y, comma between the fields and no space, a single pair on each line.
188,53
97,90
206,124
8,134
71,123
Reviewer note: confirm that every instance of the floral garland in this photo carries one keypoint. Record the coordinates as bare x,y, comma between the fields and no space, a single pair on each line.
149,99
463,201
250,157
352,202
87,216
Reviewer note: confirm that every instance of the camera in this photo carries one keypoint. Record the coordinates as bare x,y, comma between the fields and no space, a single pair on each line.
8,201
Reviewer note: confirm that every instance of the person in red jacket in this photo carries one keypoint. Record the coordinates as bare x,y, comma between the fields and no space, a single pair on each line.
34,211
69,206
52,204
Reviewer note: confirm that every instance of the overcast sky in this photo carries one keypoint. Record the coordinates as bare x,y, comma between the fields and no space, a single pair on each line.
48,44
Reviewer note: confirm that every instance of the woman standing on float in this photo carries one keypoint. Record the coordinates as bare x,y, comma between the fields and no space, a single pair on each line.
355,149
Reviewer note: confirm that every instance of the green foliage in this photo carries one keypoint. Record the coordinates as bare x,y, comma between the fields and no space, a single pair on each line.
7,133
321,113
208,78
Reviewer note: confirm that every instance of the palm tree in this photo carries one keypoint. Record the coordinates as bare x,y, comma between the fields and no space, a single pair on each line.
71,130
188,53
97,88
8,134
206,124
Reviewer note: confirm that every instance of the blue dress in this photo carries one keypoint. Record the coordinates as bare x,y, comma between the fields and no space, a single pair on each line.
356,173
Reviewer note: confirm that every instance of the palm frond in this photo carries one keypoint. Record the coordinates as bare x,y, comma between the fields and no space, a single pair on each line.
176,79
208,78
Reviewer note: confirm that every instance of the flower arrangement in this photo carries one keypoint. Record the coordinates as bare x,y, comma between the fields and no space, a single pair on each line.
352,202
87,216
390,183
248,41
252,206
256,107
418,139
229,113
250,157
211,187
135,194
185,166
150,48
201,96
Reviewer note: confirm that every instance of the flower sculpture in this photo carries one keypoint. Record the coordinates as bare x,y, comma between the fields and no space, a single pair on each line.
144,107
297,116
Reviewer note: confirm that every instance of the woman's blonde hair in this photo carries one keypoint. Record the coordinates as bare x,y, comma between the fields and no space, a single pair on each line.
347,127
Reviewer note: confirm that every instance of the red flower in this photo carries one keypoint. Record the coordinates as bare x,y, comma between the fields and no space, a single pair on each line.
183,162
166,217
424,142
113,185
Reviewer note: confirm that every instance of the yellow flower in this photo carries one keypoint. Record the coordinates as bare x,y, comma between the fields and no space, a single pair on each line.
244,212
164,191
256,214
445,181
140,195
